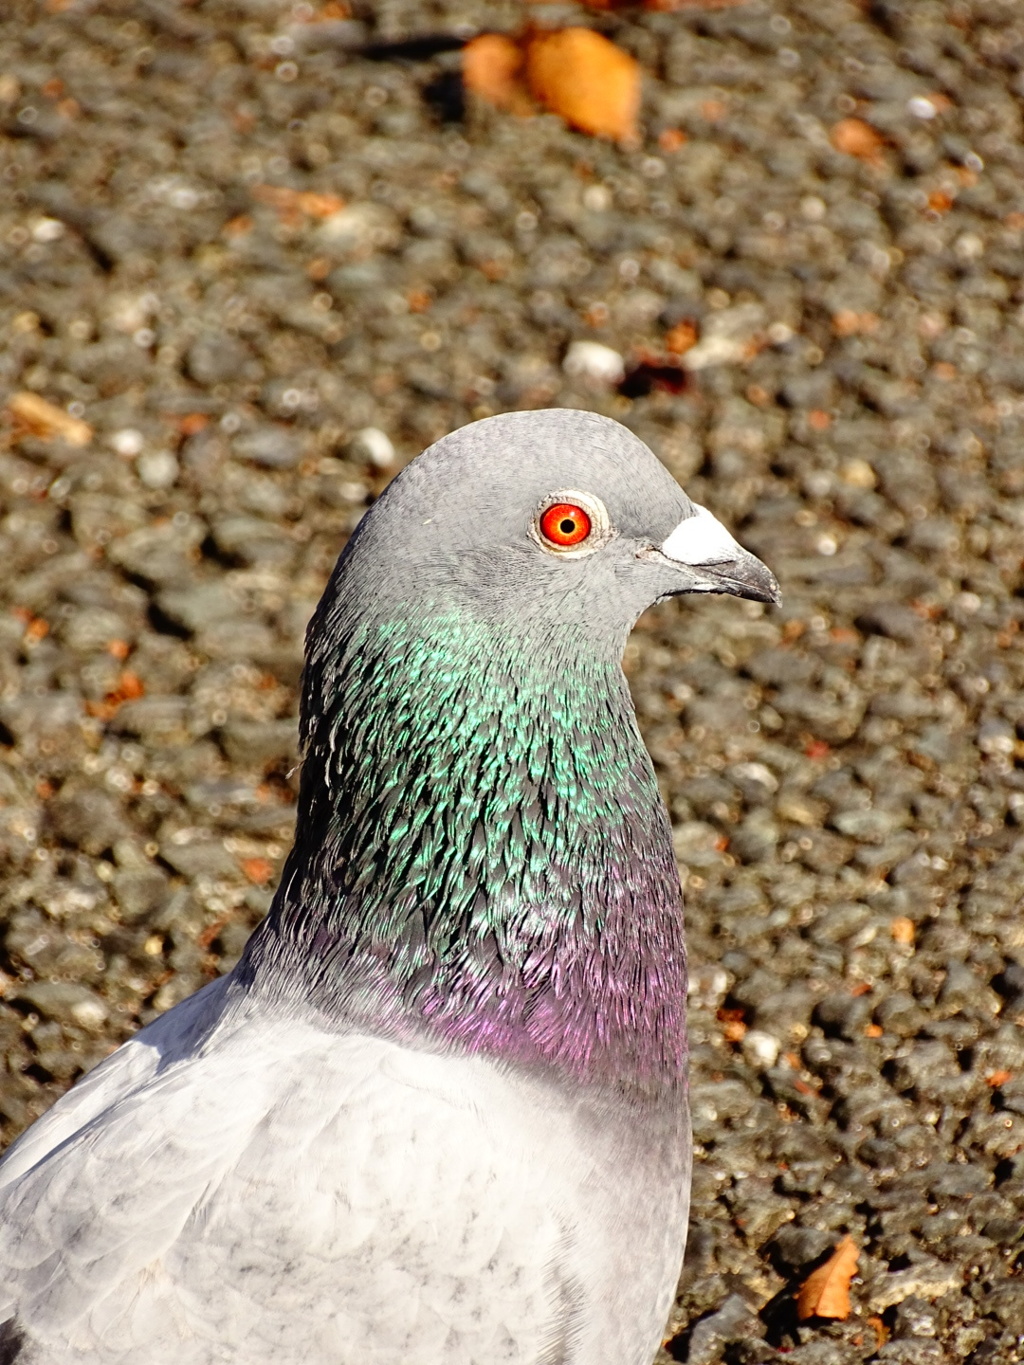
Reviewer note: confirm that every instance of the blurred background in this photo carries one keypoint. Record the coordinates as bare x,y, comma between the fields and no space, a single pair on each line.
255,255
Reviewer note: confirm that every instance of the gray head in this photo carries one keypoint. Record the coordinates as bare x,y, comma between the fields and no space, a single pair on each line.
533,517
479,823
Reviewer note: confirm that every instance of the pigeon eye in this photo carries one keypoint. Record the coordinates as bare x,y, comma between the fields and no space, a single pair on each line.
571,524
565,525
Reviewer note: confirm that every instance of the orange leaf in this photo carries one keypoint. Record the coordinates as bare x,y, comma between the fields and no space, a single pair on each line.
589,81
680,338
671,139
290,203
257,870
854,137
47,421
902,930
997,1078
880,1330
492,69
826,1291
129,686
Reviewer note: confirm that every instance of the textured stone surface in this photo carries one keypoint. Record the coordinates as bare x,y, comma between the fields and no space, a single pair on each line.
845,775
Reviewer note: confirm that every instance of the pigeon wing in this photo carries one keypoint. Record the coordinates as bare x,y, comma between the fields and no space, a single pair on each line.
279,1192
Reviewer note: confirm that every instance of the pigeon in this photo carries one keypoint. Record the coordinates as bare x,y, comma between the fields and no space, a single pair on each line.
437,1113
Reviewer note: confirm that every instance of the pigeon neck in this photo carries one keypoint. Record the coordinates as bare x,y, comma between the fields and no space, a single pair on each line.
482,854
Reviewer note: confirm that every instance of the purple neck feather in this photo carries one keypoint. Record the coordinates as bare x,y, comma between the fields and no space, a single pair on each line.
483,859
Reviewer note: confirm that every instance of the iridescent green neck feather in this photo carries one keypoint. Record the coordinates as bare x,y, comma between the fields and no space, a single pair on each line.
482,857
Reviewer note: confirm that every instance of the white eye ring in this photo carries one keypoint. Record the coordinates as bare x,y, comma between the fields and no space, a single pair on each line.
601,529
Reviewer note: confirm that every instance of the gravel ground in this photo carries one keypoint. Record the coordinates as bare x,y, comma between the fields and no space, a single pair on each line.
237,234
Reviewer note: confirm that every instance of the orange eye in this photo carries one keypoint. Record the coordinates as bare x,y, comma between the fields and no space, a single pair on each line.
565,524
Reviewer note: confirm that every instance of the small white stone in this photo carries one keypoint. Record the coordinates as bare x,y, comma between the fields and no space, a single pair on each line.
728,336
921,107
127,441
157,469
47,229
91,1014
758,772
597,198
591,360
374,445
760,1049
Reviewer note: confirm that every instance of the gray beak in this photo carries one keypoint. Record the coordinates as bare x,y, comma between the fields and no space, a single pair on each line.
712,561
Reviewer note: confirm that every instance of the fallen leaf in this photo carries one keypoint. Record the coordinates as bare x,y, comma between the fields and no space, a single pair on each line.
854,137
129,687
586,79
492,69
902,930
293,204
713,110
47,421
662,6
997,1078
671,139
681,338
257,870
847,323
419,300
212,930
826,1291
880,1330
237,226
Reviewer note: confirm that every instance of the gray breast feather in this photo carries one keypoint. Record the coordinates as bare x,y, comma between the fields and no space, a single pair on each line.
302,1197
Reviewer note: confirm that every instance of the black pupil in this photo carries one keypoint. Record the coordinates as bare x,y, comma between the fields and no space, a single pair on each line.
567,525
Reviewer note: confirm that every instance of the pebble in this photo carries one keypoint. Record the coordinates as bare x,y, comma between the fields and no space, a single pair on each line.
374,445
592,361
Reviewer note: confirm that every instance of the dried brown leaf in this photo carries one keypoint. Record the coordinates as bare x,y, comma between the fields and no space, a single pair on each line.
47,421
492,69
902,930
856,138
826,1291
666,6
292,204
589,81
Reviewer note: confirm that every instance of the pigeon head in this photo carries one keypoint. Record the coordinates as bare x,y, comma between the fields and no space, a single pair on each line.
482,857
560,517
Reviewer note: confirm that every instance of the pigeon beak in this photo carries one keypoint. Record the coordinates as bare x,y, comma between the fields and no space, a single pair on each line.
714,562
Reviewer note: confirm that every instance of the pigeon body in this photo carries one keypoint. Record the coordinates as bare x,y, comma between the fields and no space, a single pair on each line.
437,1113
